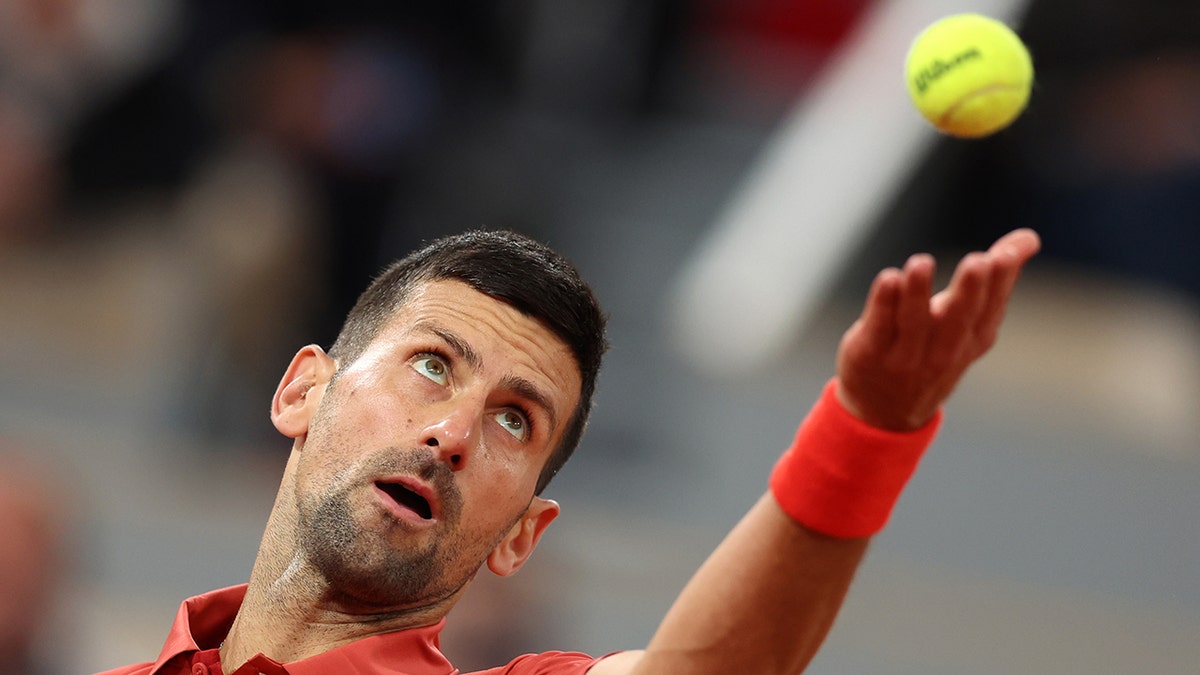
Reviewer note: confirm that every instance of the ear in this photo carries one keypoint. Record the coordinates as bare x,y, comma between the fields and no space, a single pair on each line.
518,544
300,390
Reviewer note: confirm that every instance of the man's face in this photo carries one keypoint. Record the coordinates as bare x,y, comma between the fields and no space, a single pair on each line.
423,454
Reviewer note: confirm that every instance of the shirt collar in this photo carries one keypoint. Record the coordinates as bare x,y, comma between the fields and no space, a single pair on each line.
204,620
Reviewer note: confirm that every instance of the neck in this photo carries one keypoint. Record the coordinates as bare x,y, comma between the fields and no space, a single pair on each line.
291,612
291,617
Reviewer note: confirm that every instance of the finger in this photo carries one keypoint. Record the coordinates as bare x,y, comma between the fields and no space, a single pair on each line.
1024,243
1011,252
912,312
960,305
878,321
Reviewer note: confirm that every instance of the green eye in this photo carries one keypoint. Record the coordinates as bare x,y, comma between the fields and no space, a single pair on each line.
431,367
513,423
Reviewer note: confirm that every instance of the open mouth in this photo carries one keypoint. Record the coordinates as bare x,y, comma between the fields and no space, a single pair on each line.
407,498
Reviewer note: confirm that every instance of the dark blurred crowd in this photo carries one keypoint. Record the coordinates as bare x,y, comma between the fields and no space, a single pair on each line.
386,110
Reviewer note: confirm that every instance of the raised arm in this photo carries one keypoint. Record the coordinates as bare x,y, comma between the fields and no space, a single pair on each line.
765,599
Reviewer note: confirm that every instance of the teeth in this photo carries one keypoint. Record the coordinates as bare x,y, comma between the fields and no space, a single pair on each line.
408,498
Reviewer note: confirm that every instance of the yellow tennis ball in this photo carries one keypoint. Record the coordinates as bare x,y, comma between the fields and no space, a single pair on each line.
969,75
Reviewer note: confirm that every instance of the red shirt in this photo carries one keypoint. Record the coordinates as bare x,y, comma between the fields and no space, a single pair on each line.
203,621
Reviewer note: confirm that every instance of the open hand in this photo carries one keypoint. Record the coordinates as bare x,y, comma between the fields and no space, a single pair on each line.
899,362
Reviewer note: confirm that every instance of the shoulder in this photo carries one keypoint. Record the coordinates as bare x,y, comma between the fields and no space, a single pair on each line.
137,669
557,663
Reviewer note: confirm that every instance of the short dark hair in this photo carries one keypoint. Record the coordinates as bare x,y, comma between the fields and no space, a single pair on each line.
515,269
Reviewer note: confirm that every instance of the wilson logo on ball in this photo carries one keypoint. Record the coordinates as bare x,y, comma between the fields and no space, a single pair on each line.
939,68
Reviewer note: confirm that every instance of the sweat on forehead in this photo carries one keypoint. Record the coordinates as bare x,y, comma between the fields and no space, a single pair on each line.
504,265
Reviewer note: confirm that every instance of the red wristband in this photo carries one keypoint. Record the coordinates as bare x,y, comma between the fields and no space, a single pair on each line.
842,476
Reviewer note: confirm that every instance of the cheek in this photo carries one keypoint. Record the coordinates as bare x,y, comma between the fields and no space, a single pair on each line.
505,482
367,417
330,450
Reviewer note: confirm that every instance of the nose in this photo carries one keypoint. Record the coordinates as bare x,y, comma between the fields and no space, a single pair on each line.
452,433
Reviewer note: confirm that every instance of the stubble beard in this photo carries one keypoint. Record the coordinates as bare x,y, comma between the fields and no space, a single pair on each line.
363,566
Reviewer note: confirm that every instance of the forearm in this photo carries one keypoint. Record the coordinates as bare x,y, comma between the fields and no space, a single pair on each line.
766,598
762,603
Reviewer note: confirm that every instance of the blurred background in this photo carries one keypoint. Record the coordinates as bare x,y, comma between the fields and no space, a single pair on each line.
191,190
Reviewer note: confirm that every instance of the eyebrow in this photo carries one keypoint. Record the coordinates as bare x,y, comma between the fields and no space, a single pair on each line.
459,346
518,385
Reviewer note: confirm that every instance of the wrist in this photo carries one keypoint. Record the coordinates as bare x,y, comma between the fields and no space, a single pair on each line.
843,477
